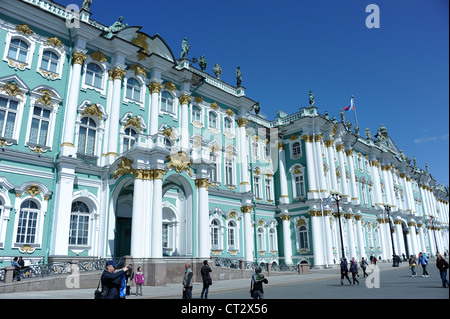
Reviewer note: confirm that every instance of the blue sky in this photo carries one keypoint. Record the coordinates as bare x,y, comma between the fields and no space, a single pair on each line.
398,73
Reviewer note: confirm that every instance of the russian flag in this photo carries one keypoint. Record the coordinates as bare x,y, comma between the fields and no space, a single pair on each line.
351,106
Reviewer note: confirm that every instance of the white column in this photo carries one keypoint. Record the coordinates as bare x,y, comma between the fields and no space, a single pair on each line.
113,138
350,234
204,250
344,185
248,235
328,238
412,232
138,225
67,147
310,167
286,221
245,182
322,185
316,237
284,197
157,214
354,194
63,206
330,152
399,232
388,238
154,88
184,134
360,237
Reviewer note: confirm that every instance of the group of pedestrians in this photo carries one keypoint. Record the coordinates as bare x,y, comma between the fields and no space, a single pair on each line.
353,270
441,264
19,266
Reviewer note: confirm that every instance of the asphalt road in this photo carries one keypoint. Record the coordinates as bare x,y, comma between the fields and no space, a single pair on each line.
394,283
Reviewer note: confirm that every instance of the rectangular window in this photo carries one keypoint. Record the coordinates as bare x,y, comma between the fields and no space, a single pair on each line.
8,114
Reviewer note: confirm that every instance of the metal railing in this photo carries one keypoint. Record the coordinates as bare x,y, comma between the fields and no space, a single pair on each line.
250,265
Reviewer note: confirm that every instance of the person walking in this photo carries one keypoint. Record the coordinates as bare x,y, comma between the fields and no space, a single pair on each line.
16,265
354,270
129,277
344,271
256,284
412,265
364,265
187,281
442,265
111,280
206,278
424,262
139,279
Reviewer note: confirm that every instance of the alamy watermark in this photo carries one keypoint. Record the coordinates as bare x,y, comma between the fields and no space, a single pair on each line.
373,278
373,19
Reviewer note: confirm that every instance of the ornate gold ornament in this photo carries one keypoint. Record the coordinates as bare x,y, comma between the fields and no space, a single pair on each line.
98,56
137,69
180,161
198,99
46,98
27,249
93,110
54,41
124,167
117,73
12,89
202,183
78,58
134,121
24,29
246,209
285,217
155,87
170,86
214,105
33,190
185,99
229,112
141,41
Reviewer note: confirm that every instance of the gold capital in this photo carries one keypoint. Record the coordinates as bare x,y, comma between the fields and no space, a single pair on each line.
155,87
78,58
117,73
202,183
185,99
246,209
242,122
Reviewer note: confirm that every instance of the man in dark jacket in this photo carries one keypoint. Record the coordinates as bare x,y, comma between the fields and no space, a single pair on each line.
257,284
206,278
111,280
187,281
344,271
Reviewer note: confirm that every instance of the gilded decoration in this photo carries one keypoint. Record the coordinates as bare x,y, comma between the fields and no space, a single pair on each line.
24,29
230,112
144,174
141,41
315,213
180,161
170,86
185,99
280,146
242,122
33,190
12,89
349,152
202,183
55,42
124,167
329,143
294,137
27,249
46,98
318,137
98,56
307,138
285,217
78,58
246,209
158,173
117,73
155,87
300,222
93,110
138,69
134,121
4,143
340,147
214,105
198,99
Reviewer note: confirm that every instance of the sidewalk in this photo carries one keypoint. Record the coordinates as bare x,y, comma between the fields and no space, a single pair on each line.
175,291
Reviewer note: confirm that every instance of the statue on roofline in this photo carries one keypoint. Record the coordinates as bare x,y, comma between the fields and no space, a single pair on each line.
217,71
202,62
86,5
184,48
238,77
116,27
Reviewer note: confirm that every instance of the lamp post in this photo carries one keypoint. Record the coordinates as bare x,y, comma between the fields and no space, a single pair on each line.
434,234
337,197
395,258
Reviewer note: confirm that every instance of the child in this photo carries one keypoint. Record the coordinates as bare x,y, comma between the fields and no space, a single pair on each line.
139,279
412,265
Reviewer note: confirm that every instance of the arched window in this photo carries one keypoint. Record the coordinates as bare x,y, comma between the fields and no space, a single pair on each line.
296,149
303,238
196,114
86,136
28,222
167,102
228,125
215,169
272,240
215,232
232,232
260,239
229,171
133,90
212,120
40,125
79,224
8,115
269,189
18,50
94,75
255,149
49,61
129,138
257,186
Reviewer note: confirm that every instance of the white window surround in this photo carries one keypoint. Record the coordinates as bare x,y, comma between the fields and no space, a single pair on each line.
59,70
143,89
20,98
297,170
5,208
175,105
29,40
104,66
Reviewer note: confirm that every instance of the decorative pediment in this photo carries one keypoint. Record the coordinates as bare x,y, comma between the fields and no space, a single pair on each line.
136,121
92,109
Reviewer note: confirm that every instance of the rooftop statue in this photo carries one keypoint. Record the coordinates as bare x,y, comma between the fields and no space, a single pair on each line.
184,49
86,5
116,27
202,62
368,134
311,99
217,71
238,76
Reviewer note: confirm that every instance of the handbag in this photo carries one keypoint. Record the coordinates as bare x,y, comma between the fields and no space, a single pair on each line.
99,294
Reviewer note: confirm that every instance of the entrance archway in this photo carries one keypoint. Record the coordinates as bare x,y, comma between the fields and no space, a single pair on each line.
124,214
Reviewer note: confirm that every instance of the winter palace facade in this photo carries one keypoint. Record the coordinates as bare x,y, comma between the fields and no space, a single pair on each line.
112,146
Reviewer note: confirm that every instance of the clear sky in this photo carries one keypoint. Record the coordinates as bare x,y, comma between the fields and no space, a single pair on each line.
398,73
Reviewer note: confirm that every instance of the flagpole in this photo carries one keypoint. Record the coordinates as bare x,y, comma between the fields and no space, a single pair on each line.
354,109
